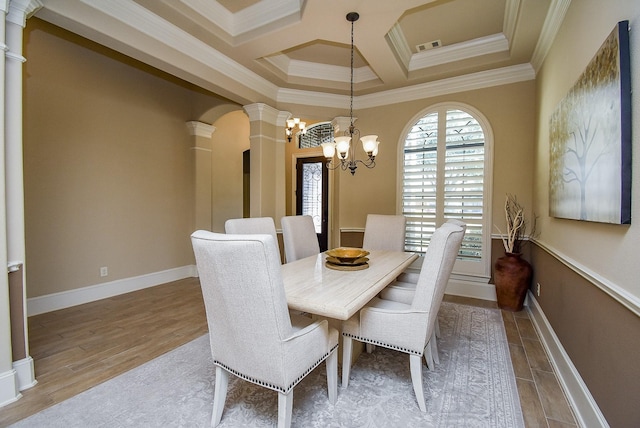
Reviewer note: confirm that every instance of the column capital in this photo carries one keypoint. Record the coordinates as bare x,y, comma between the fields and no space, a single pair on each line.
20,10
262,112
4,6
341,123
200,129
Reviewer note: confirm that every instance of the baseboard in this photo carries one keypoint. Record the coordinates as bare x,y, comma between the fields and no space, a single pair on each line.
65,299
462,285
25,373
9,387
473,289
585,408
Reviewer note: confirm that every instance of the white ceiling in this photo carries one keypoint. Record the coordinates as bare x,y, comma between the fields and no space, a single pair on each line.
284,52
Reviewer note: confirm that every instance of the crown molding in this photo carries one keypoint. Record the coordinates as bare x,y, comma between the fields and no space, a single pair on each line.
459,51
336,73
553,21
468,82
511,12
312,98
399,44
480,80
20,10
151,25
248,19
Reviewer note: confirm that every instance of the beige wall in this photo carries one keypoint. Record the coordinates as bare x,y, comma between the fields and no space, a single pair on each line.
108,164
229,140
579,264
610,251
510,111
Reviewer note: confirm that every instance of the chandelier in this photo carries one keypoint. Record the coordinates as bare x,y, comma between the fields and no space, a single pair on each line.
292,123
345,144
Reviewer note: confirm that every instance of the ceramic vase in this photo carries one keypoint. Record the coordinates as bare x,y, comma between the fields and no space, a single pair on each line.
512,277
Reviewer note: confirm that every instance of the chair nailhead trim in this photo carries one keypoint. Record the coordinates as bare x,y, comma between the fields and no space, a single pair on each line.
269,385
386,345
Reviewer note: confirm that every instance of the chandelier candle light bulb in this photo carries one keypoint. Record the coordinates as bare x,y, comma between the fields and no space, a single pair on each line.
370,144
292,123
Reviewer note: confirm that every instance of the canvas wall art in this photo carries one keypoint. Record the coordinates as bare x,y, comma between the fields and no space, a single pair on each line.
590,139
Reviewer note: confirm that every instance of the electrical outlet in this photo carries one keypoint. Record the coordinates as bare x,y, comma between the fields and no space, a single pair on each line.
538,289
104,271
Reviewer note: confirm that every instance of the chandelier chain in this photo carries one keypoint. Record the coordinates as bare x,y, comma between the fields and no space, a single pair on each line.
346,146
351,105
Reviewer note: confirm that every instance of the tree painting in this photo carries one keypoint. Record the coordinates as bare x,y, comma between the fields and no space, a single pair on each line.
586,132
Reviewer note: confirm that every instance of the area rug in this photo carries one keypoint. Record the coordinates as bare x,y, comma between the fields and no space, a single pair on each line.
473,386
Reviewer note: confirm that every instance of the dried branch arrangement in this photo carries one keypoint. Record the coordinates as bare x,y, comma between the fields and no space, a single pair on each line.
516,225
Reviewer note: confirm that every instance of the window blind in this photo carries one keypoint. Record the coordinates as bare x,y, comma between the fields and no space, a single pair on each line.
443,178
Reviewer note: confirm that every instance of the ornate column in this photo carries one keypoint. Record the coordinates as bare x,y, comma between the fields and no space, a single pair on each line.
18,12
8,379
201,146
267,161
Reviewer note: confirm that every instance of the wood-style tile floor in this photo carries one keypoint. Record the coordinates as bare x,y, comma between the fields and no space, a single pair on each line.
541,397
79,347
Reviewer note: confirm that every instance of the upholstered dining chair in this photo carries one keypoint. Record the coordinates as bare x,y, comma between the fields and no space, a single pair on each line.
405,327
253,225
251,332
403,290
299,237
412,277
384,232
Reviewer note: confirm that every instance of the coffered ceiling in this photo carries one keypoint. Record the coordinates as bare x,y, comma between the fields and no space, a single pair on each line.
298,51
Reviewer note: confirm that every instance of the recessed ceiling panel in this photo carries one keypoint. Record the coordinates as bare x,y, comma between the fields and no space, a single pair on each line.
235,6
452,21
266,47
324,52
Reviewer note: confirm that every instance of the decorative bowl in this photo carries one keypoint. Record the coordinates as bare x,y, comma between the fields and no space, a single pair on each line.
346,254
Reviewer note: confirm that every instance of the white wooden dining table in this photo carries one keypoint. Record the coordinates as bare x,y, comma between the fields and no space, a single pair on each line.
310,286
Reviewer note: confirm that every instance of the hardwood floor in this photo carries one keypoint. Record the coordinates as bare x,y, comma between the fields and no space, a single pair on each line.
79,347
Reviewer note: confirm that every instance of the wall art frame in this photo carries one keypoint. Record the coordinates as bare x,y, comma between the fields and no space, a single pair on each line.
590,139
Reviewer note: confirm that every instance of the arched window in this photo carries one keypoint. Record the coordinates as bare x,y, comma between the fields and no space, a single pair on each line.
316,134
446,173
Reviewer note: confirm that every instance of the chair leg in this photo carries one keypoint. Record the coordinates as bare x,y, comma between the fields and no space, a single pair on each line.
347,348
285,409
428,356
370,347
416,378
437,328
332,376
219,395
434,348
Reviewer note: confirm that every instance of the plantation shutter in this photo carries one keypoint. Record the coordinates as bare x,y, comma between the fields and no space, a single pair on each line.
443,178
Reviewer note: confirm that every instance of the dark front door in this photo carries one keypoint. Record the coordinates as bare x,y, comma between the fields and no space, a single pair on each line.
312,190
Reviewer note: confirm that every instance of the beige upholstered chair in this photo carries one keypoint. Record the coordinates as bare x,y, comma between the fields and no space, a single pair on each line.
299,237
403,290
405,327
254,225
251,332
384,232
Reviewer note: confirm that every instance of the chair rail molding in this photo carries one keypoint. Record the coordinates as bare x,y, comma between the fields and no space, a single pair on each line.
621,295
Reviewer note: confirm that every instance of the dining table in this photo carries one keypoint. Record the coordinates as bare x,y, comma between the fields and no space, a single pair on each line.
313,287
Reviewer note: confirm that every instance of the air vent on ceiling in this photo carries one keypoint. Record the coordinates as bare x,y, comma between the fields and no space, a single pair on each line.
430,45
